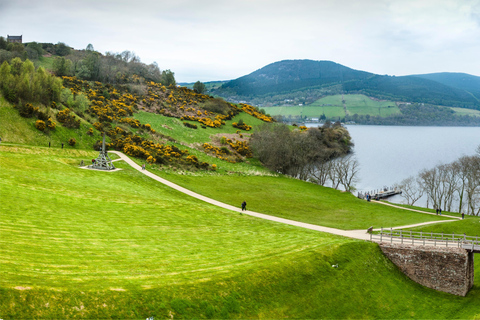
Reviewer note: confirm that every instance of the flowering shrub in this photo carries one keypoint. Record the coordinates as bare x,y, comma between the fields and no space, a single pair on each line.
72,141
242,126
50,124
40,125
254,112
68,120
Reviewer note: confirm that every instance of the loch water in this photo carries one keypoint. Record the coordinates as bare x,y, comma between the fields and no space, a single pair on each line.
389,154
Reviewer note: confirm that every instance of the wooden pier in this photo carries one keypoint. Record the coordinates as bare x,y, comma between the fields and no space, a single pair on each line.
379,194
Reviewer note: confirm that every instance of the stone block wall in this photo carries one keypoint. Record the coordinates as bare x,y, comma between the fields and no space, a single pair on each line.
444,269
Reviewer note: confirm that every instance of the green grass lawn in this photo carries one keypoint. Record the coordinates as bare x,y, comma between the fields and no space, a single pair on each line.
89,244
298,200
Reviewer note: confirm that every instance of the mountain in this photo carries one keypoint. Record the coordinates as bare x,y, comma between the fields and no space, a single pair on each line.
281,81
290,75
457,80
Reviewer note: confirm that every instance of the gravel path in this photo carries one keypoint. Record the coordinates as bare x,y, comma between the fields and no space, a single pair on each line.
356,234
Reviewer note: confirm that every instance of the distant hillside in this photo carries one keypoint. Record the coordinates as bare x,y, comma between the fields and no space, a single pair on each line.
457,80
290,75
293,82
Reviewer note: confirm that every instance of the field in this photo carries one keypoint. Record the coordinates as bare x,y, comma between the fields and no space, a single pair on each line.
332,107
101,245
77,243
469,112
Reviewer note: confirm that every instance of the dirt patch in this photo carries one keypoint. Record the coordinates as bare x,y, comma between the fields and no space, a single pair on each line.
117,289
23,288
216,138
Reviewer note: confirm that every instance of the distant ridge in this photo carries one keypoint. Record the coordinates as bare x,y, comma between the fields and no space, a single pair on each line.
321,78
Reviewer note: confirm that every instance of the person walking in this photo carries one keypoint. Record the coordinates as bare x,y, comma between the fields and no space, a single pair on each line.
440,211
463,215
244,206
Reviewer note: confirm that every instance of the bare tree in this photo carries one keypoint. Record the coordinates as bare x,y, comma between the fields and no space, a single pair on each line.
431,184
347,172
472,187
412,189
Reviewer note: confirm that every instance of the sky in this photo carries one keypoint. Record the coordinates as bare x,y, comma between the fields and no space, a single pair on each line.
210,40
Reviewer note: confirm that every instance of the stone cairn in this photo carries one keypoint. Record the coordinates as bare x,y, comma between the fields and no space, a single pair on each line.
103,162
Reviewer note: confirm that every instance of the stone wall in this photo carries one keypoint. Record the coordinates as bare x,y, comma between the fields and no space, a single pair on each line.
444,269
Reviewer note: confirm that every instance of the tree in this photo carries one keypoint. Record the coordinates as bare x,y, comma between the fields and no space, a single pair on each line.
411,189
89,47
62,66
347,171
168,78
62,49
3,43
199,87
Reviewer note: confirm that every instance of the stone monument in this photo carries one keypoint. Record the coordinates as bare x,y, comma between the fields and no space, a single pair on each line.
103,162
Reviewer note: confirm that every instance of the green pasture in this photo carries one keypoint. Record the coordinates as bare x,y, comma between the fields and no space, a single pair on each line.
88,244
466,112
332,107
298,200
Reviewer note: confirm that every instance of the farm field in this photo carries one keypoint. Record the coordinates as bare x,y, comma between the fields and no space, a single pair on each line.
88,244
332,107
463,111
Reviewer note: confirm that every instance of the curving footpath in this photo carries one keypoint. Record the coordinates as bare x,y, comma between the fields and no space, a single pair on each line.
355,234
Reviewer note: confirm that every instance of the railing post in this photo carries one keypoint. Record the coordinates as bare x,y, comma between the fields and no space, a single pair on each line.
401,236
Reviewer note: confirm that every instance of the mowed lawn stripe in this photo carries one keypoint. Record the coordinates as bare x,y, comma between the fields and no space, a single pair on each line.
65,227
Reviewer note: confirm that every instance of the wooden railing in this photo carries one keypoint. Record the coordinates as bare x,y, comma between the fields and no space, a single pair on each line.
427,239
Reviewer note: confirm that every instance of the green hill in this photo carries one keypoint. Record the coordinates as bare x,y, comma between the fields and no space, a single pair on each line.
457,80
306,81
119,245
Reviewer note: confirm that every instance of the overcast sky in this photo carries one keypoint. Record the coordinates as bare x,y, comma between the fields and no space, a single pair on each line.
224,39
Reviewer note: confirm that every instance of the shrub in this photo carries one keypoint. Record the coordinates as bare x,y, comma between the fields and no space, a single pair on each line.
217,105
190,125
27,110
72,141
40,125
90,132
68,120
50,124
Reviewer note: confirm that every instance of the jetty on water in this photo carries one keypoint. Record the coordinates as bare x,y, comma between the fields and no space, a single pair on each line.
380,194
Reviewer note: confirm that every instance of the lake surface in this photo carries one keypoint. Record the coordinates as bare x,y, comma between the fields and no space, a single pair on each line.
389,154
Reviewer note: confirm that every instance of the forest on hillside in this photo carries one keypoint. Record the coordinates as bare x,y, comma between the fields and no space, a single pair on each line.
86,64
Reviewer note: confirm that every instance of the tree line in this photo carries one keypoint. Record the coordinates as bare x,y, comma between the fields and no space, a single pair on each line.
321,155
453,187
88,64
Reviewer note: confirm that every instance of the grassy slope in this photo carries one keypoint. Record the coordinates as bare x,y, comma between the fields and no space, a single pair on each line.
73,236
298,200
15,129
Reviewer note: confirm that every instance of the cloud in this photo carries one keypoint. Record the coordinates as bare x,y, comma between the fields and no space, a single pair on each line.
217,39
